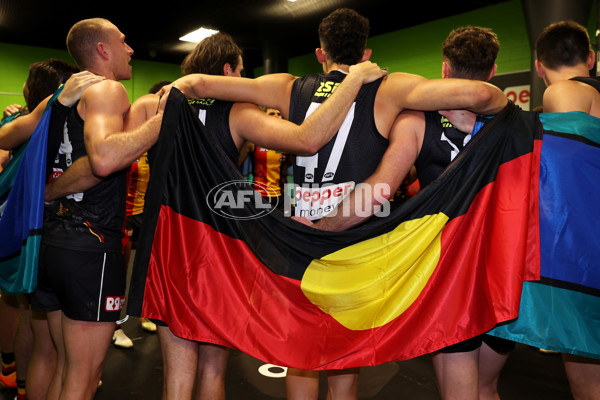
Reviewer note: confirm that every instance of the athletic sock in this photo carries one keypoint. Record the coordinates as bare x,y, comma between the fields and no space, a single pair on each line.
8,363
21,393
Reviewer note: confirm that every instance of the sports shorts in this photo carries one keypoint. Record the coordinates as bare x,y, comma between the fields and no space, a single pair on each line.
497,344
85,286
158,322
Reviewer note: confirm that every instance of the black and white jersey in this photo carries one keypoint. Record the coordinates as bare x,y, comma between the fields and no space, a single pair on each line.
214,115
324,179
92,220
442,142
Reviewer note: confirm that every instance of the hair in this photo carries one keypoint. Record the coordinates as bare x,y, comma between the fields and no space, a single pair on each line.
209,56
44,78
83,38
157,86
564,43
266,110
471,52
343,35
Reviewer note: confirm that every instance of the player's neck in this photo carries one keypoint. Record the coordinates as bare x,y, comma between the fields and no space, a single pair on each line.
337,67
107,73
565,73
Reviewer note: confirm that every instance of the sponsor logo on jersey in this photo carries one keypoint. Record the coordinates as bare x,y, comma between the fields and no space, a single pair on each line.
56,172
114,303
326,89
446,122
317,202
201,102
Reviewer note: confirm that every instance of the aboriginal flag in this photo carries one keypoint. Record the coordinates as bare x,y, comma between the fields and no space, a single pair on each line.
446,265
561,312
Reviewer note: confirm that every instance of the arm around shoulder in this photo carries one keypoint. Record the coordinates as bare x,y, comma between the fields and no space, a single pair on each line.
418,93
271,90
17,132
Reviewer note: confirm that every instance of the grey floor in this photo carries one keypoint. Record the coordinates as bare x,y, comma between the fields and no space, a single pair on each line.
136,373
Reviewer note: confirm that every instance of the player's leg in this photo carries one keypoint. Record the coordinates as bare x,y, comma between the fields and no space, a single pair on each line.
180,360
302,384
212,365
342,384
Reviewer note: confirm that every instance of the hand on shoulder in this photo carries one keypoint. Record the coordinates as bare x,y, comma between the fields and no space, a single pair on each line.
76,85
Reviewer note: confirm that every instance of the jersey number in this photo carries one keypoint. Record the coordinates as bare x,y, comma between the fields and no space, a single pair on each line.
310,163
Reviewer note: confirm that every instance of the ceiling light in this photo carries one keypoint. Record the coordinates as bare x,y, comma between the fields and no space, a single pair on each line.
198,35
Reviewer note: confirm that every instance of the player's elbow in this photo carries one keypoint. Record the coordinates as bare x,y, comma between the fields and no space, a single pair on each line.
482,97
5,144
101,167
195,87
101,170
488,99
306,149
310,145
311,148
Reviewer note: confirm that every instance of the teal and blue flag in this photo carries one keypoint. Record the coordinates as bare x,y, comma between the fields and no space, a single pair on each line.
561,312
22,185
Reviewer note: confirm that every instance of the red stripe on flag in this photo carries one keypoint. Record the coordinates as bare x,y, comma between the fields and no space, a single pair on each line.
486,250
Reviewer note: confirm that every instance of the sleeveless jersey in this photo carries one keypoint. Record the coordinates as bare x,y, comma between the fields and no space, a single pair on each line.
441,144
594,82
324,179
138,177
268,170
88,221
214,115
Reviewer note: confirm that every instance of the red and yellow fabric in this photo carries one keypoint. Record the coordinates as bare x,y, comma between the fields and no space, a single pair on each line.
268,166
139,175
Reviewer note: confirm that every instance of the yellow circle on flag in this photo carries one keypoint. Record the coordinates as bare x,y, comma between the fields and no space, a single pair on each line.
368,284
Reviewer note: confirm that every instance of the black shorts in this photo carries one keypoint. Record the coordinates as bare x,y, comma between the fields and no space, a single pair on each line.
158,322
499,345
85,286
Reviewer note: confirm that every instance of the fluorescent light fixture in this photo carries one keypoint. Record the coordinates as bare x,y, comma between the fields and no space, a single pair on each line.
198,35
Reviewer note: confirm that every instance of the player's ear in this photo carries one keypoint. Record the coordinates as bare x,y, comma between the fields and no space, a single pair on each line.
227,69
539,68
591,59
321,57
366,55
492,72
445,70
101,50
